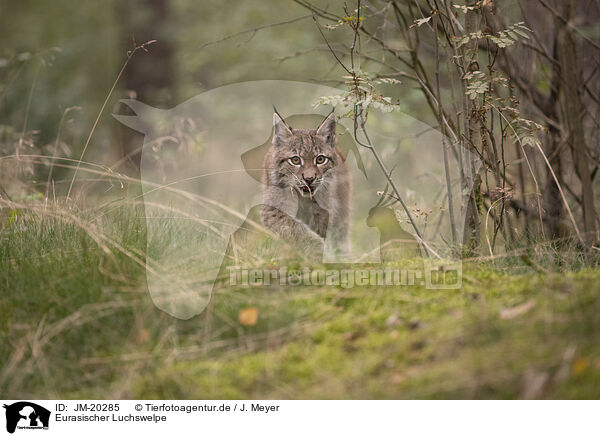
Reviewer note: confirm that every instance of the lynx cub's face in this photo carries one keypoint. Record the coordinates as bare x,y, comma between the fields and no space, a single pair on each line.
304,160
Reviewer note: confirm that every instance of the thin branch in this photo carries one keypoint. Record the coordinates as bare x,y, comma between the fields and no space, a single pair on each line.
254,30
330,48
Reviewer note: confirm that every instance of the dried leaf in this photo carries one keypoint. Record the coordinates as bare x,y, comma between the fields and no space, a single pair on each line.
580,365
143,336
421,21
513,312
248,316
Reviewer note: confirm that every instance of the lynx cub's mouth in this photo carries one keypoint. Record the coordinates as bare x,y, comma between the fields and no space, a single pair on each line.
307,191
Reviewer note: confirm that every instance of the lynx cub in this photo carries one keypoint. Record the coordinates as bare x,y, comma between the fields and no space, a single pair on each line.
307,188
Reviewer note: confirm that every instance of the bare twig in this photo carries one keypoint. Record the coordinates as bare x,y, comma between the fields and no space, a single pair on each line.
254,30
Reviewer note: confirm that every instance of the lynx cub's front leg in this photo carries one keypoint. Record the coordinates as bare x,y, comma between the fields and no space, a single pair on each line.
291,229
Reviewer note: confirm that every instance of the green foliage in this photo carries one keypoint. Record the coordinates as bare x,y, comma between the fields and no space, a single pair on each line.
503,39
511,35
484,86
477,83
362,94
95,329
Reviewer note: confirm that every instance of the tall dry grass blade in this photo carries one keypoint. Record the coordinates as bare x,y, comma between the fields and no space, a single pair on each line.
56,142
28,108
562,194
87,142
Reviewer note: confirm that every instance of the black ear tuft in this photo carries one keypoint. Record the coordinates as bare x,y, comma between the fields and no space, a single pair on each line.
327,128
281,131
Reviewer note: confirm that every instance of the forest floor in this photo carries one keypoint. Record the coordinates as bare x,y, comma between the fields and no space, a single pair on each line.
77,322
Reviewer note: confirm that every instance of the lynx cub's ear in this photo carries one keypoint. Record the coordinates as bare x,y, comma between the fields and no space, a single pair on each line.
327,129
281,131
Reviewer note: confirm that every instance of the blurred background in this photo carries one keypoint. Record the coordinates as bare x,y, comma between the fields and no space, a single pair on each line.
76,320
59,61
61,55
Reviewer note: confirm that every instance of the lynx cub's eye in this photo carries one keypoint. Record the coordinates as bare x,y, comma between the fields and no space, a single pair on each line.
296,161
320,159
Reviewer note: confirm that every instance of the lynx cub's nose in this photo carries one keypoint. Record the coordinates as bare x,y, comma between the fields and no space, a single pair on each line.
309,179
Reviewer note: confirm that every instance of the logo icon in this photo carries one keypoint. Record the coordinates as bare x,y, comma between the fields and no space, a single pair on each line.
26,415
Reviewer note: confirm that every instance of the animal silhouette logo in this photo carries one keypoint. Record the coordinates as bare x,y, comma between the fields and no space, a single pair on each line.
26,415
202,166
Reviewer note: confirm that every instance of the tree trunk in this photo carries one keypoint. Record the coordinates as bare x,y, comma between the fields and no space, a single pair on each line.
149,77
571,74
472,182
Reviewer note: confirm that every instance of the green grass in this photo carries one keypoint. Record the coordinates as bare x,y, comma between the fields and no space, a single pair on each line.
77,322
